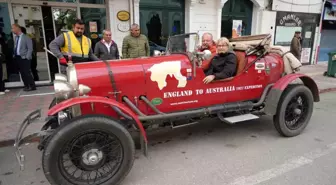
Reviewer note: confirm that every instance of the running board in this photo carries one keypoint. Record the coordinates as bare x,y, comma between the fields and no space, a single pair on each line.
236,119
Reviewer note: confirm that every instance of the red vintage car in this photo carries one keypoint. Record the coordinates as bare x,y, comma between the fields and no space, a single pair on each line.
87,140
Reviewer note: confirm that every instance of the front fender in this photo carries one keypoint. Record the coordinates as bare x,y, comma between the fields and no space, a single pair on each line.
97,99
274,95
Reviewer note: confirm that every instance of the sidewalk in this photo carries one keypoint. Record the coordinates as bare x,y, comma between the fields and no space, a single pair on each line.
16,105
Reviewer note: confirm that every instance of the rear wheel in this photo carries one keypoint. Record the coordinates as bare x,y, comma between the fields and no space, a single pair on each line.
90,149
294,110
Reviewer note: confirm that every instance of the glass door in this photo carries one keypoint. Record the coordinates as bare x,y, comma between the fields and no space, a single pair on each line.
11,74
30,18
62,20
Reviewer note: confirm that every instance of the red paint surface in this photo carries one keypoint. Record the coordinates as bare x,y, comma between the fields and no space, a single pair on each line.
283,82
133,80
97,99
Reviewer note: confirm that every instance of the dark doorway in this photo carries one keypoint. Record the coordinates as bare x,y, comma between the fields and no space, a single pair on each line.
160,19
236,10
49,35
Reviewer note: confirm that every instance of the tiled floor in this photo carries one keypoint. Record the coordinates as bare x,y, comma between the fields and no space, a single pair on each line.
16,105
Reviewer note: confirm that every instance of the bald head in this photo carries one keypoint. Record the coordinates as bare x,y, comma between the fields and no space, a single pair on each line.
207,40
135,30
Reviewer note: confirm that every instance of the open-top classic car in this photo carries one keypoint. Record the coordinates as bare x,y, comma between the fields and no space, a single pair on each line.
87,140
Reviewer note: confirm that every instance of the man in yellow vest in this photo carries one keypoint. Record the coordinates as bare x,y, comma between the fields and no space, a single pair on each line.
73,43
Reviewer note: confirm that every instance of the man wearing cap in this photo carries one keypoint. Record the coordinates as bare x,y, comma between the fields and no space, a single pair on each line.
295,47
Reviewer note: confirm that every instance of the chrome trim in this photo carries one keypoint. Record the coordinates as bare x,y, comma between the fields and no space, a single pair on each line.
72,76
73,80
63,90
61,77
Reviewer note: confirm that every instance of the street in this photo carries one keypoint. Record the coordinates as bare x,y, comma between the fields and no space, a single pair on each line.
214,153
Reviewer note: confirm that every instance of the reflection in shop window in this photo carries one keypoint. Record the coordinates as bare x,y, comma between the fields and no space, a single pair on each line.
92,1
10,69
63,18
95,22
64,1
284,35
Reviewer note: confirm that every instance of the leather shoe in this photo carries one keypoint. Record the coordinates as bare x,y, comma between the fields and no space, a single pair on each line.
30,89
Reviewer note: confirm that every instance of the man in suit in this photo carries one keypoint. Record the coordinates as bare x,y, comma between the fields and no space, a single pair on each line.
34,55
23,50
107,49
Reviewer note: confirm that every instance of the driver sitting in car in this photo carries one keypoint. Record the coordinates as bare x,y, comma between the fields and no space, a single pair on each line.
223,65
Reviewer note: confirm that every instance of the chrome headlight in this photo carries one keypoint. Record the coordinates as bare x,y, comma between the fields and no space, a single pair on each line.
63,90
72,76
83,89
61,77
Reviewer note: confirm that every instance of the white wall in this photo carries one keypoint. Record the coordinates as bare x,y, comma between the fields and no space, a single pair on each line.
114,7
204,17
304,6
267,25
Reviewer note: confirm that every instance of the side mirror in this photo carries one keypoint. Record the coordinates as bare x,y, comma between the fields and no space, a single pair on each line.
207,54
156,53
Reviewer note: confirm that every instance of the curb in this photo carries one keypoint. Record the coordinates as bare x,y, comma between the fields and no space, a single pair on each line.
10,142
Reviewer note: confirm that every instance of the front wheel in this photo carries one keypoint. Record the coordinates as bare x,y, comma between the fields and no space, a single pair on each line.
294,111
90,149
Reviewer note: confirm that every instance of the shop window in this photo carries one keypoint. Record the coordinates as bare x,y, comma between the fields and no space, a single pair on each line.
284,35
95,22
9,67
92,1
65,1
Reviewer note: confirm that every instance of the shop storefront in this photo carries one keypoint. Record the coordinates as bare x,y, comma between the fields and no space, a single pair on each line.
289,22
328,31
43,21
161,18
236,18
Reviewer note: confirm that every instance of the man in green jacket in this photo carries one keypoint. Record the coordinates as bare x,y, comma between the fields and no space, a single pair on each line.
135,45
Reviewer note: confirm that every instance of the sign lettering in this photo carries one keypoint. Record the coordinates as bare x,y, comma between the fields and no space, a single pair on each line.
290,20
213,90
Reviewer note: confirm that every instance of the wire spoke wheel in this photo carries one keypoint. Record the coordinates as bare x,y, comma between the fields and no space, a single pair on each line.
89,149
91,158
294,110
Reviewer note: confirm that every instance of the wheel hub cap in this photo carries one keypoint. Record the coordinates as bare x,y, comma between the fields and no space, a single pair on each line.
92,157
297,111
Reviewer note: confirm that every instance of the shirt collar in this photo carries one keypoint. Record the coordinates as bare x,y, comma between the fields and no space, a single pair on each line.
103,41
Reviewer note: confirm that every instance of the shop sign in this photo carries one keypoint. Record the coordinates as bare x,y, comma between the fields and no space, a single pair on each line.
123,15
237,28
290,19
93,26
305,55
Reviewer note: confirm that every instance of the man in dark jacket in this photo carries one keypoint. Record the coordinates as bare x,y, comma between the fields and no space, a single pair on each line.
106,49
295,47
223,65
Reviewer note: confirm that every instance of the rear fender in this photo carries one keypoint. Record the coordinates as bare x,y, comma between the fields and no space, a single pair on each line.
274,95
97,99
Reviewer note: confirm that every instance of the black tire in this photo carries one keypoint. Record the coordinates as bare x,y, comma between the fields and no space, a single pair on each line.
287,96
85,125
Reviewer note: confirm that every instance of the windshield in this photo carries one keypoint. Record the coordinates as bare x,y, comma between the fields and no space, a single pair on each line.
182,43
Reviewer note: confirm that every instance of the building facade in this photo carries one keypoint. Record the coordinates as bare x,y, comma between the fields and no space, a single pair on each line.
328,31
158,19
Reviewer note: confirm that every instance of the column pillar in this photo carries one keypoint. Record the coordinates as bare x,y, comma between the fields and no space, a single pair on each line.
219,18
136,10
